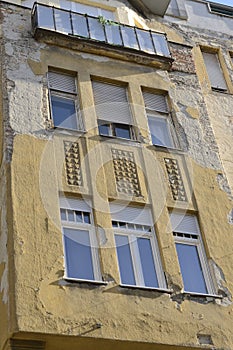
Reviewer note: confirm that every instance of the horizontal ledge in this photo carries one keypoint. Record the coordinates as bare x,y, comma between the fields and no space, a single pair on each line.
99,48
162,290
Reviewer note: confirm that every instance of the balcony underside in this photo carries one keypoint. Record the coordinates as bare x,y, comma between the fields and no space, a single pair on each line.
102,49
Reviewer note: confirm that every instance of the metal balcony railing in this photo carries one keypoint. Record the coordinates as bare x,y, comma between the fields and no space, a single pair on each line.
98,29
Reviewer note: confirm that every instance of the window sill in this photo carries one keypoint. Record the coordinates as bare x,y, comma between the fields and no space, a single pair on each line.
78,280
69,132
155,289
166,149
202,295
119,140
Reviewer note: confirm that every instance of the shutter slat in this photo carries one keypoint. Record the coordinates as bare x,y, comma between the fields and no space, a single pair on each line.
155,102
75,204
184,223
62,82
214,71
134,215
111,103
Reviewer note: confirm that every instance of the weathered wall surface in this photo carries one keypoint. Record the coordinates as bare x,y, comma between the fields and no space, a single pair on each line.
55,306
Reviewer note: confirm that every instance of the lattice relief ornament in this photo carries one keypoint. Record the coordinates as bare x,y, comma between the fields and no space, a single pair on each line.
175,179
126,172
72,163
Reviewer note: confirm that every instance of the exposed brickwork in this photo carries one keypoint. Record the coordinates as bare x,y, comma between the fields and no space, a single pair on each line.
183,59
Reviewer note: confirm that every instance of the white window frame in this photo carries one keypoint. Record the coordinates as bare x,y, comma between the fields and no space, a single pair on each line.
166,115
73,205
188,239
132,234
65,94
213,69
108,119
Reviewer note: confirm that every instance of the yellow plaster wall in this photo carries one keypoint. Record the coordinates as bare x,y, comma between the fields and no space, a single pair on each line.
56,307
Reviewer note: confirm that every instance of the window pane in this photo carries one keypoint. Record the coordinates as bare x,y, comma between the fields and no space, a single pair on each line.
63,214
160,134
62,21
64,112
78,254
122,131
160,44
147,262
70,215
145,41
104,129
125,260
78,215
79,25
45,17
191,270
113,34
96,29
129,37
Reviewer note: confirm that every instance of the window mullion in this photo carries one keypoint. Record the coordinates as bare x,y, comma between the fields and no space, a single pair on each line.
136,260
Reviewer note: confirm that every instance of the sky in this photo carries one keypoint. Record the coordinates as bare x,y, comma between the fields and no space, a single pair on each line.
224,2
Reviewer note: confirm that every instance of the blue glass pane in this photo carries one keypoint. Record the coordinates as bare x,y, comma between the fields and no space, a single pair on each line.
145,41
147,262
64,112
96,29
113,34
129,37
70,215
160,44
191,270
124,260
160,134
62,21
45,17
80,25
122,131
104,129
86,218
78,254
79,217
63,214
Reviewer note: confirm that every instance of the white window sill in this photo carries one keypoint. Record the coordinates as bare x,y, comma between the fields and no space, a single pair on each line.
203,295
161,290
122,140
65,131
79,280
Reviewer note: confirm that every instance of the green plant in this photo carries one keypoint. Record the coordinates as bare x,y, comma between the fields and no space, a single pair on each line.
105,21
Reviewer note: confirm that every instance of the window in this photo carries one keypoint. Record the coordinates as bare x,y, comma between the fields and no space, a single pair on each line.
160,124
64,106
191,254
113,110
79,238
136,246
214,71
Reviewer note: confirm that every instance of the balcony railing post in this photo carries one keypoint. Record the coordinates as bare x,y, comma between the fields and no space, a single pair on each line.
71,23
88,27
54,19
105,34
136,34
151,37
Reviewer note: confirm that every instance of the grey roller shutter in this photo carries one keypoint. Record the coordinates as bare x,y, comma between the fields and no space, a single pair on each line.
123,213
184,223
214,71
155,102
111,103
75,204
62,82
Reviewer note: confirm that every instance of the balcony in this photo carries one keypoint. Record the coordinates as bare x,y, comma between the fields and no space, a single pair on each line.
100,36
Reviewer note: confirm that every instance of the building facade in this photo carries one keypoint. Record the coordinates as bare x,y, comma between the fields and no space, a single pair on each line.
116,175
